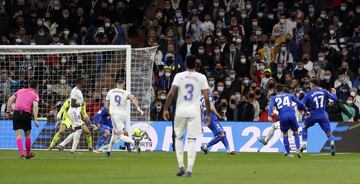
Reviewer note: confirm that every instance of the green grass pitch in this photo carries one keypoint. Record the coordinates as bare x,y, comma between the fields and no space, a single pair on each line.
160,168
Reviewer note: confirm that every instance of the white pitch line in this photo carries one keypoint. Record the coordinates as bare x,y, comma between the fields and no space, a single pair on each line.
327,154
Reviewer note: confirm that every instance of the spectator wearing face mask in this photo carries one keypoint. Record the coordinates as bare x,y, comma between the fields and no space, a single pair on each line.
223,108
343,79
218,73
300,71
256,105
232,58
285,58
42,37
246,111
352,109
316,71
231,112
193,28
166,80
356,97
156,112
284,26
220,87
267,77
279,77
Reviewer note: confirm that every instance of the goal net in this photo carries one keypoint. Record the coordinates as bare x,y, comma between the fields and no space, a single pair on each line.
56,69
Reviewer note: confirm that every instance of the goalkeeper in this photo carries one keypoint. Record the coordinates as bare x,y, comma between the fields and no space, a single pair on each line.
65,124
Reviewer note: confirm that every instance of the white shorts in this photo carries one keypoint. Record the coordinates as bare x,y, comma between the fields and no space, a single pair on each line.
192,125
75,118
276,125
118,122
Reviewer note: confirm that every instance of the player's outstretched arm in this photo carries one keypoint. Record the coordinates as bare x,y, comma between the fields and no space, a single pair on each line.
332,96
169,99
133,100
300,105
213,109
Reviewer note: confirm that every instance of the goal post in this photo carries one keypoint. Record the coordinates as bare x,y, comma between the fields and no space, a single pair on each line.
56,68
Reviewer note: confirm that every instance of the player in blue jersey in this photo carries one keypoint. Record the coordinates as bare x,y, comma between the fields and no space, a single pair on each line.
283,103
214,126
316,99
103,122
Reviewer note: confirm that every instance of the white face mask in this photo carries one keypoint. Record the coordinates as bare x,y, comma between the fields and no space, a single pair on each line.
321,58
243,60
163,97
107,24
28,57
211,83
220,89
258,33
353,93
63,60
167,74
282,21
18,40
228,83
66,32
238,40
62,81
217,51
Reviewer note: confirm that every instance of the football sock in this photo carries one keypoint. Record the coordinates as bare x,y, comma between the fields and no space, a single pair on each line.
179,147
100,142
89,140
270,134
225,141
331,140
20,146
68,139
76,139
28,145
55,139
127,145
286,144
304,135
297,140
112,141
191,153
126,139
214,141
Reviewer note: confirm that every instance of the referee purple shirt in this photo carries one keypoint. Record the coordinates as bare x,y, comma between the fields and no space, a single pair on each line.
24,99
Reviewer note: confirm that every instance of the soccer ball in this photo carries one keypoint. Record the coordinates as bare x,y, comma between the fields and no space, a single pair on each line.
138,132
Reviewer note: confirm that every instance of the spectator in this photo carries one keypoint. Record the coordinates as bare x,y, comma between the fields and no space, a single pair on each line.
246,111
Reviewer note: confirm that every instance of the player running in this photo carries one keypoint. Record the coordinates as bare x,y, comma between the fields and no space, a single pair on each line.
74,114
283,102
214,126
65,124
316,98
103,122
116,102
188,86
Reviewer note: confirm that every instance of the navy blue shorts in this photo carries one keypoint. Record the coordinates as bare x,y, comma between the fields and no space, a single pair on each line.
288,122
323,122
104,127
214,125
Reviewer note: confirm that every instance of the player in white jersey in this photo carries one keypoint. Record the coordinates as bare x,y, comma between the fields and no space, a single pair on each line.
188,86
74,114
116,103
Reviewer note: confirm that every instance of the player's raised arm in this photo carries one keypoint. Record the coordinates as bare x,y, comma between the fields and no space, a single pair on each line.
332,96
132,98
169,99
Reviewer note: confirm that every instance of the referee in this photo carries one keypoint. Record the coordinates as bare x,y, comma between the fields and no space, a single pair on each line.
26,104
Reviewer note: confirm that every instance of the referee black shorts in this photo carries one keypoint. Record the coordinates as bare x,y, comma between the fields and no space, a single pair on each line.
22,120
